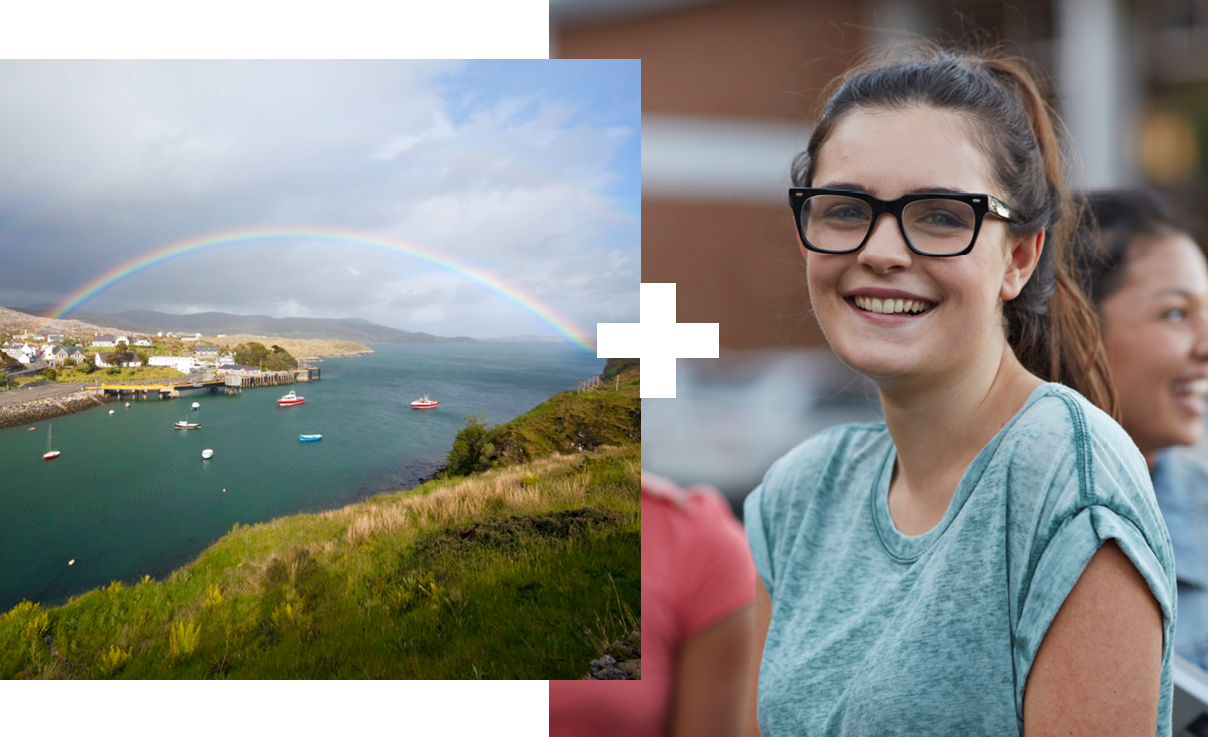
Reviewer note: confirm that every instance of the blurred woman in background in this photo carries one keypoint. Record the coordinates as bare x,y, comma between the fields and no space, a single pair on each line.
1148,281
698,583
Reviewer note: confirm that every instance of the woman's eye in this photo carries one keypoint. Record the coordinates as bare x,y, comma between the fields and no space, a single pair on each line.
1175,315
942,219
845,212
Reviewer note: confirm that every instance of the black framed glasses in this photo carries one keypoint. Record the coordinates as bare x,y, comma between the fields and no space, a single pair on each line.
932,223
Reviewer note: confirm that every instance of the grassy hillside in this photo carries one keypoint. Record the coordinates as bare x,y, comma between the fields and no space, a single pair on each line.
570,422
525,571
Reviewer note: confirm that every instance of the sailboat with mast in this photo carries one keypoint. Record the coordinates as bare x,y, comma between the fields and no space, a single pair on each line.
49,455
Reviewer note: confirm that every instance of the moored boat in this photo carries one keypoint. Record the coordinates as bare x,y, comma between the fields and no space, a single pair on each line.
207,454
424,403
290,398
49,455
310,437
196,405
186,425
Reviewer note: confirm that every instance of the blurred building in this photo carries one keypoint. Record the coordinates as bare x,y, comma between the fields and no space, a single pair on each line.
730,88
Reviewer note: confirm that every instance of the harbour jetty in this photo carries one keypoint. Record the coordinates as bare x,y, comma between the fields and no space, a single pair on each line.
48,402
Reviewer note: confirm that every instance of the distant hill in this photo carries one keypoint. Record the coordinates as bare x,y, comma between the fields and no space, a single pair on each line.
215,323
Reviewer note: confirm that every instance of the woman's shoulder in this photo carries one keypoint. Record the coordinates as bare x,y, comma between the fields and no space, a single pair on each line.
1066,454
1057,421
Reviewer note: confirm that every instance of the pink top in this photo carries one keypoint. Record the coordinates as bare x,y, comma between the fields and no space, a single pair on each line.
696,570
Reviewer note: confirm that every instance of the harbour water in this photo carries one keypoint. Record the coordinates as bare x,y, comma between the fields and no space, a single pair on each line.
130,495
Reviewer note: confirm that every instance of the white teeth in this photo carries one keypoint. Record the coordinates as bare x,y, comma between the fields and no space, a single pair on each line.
1198,387
890,306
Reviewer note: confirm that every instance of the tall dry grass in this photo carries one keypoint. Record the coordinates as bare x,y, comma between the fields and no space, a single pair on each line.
516,489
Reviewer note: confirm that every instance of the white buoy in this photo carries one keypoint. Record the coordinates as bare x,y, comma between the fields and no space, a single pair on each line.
71,562
110,411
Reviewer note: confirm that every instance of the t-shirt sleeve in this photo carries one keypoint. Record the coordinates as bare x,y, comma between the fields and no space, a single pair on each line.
1072,492
720,576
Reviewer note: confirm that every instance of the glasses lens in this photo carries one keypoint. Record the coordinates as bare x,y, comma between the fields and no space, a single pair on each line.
835,223
939,227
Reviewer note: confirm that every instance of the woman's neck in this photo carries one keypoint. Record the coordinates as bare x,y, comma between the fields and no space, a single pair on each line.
939,427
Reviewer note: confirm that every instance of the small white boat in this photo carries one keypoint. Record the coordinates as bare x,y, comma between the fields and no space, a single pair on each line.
207,454
186,425
49,455
110,411
196,405
127,404
290,398
310,437
424,403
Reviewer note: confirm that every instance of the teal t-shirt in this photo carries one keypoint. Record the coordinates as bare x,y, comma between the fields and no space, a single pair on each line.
874,632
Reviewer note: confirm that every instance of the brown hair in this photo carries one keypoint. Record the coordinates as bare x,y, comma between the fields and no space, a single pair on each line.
1112,222
1049,325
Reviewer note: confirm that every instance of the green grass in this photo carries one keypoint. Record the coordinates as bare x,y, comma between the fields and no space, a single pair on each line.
509,574
568,423
72,376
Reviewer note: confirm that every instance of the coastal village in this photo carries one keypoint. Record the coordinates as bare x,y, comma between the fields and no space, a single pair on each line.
184,353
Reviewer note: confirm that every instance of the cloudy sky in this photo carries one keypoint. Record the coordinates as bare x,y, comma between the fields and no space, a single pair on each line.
526,170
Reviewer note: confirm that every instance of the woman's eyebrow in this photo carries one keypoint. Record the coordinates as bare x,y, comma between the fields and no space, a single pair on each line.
849,186
853,187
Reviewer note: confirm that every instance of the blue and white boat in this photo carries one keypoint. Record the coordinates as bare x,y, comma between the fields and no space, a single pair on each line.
310,437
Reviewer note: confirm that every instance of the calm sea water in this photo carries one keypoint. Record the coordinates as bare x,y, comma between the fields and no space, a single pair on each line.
131,495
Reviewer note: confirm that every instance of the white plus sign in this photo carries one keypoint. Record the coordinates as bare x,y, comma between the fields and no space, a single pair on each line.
657,340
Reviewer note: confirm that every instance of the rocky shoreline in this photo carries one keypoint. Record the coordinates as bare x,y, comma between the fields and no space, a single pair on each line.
36,410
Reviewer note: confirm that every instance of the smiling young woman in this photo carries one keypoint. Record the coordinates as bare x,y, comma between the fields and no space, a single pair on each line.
1148,281
990,558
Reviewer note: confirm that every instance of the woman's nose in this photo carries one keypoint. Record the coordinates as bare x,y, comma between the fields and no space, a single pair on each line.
886,247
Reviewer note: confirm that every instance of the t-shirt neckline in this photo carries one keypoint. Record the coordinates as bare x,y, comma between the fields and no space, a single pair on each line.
908,548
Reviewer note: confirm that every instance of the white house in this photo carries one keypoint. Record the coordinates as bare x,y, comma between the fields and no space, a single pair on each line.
75,353
202,350
146,342
104,341
106,359
183,364
56,354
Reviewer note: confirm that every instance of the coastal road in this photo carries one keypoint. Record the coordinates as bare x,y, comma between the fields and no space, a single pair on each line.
44,391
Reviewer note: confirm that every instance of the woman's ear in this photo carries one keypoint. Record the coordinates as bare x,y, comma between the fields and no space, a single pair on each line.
1021,262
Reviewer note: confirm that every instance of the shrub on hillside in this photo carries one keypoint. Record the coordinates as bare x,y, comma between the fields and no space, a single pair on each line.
614,366
113,660
183,639
472,449
50,374
273,359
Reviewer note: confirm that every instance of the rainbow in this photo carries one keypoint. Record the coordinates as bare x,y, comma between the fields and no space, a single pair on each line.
149,260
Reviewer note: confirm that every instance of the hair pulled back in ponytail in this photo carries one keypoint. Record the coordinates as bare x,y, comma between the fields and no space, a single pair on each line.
1049,325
